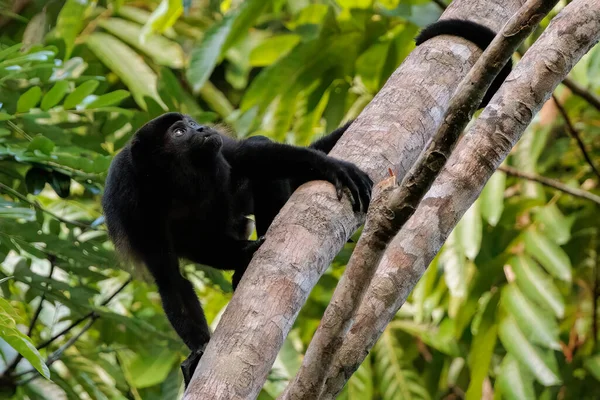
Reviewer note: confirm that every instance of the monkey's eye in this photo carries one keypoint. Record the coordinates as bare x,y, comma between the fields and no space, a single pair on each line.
178,132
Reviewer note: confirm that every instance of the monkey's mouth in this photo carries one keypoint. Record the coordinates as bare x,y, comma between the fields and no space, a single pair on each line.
209,140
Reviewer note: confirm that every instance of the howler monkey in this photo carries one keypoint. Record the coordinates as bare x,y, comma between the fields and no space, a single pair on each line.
183,190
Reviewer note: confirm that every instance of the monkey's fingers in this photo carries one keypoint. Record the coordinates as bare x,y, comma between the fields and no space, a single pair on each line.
188,367
339,188
350,183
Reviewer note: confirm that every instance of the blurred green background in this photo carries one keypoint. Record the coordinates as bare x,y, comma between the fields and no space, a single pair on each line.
505,311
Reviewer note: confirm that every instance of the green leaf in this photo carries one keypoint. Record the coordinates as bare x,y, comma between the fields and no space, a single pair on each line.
5,116
554,224
246,14
470,231
482,350
149,369
42,144
127,65
29,99
36,179
492,198
61,184
272,49
370,65
515,382
163,17
36,30
55,95
204,56
537,285
17,340
592,364
80,93
540,327
70,22
518,346
108,99
454,263
551,256
397,379
162,50
360,384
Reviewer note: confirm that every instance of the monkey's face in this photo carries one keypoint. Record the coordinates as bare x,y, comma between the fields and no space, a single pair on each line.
186,136
174,137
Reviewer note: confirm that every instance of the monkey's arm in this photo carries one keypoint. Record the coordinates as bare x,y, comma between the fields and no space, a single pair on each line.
258,158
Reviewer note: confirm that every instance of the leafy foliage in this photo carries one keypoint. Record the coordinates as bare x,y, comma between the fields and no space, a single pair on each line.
507,307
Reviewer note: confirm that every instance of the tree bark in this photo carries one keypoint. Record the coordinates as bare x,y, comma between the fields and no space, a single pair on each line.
313,226
486,144
400,203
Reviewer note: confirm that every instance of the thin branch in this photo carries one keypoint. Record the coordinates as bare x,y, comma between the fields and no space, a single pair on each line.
582,92
575,134
58,353
551,183
91,314
10,191
399,203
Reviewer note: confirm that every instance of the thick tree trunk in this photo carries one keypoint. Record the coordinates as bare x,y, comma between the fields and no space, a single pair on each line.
314,225
486,144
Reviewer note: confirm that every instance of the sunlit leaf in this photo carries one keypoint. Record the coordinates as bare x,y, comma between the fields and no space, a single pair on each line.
205,55
54,95
272,49
81,92
535,322
537,285
162,50
551,256
492,198
592,364
20,342
29,99
127,65
42,144
108,99
518,346
70,22
554,224
515,381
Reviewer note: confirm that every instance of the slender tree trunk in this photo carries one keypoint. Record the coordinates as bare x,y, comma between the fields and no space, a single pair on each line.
313,226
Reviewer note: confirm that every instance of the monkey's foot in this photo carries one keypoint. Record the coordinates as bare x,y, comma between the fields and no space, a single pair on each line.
189,365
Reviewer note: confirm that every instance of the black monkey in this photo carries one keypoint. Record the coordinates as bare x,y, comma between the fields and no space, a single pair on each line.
183,190
478,34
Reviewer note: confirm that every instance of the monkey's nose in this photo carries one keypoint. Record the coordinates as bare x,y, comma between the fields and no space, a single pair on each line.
200,128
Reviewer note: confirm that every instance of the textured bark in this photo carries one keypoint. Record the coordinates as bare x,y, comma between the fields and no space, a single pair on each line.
397,205
486,144
313,225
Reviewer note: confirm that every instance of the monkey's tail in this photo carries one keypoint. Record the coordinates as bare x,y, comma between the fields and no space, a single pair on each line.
476,33
326,143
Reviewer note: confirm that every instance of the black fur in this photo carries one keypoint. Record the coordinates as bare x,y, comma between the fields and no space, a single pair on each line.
181,190
478,34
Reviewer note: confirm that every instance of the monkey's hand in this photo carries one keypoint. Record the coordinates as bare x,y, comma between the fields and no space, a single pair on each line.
189,365
345,174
